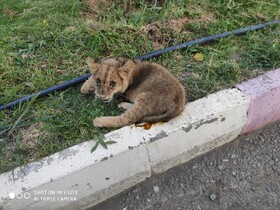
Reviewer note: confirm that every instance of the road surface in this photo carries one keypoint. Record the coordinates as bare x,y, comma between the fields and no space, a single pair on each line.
243,174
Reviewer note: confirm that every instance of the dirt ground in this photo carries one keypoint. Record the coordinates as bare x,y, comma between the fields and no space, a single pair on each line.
244,174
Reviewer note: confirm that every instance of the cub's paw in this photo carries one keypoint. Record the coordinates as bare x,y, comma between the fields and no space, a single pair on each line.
99,122
125,105
88,87
85,89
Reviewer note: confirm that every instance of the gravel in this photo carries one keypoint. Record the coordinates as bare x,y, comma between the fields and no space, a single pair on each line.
244,174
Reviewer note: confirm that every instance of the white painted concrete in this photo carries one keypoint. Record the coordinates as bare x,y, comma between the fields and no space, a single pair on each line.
89,185
71,163
63,163
204,124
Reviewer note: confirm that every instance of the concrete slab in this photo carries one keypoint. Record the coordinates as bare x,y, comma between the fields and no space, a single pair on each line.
206,123
264,92
89,185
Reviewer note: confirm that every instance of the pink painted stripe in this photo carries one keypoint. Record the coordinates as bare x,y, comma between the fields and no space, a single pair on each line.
264,92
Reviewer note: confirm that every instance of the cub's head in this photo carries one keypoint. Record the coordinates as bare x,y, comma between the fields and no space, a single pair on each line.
110,76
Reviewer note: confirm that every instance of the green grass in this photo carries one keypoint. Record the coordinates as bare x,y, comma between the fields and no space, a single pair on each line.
43,43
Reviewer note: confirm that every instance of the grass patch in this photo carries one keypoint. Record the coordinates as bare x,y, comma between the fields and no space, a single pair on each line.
43,43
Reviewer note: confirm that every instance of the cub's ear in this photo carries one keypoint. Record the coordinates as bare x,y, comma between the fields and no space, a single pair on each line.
93,65
126,70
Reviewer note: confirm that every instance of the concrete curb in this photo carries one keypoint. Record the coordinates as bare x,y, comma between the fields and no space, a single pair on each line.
75,178
264,92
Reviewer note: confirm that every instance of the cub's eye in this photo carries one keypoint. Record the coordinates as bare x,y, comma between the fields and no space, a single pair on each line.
112,84
98,81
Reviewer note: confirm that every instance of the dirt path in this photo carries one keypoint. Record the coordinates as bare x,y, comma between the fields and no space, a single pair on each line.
244,174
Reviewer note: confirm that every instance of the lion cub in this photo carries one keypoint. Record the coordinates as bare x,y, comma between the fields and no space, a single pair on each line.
155,94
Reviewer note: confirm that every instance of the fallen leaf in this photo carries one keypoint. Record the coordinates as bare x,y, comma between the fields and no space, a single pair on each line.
147,126
198,57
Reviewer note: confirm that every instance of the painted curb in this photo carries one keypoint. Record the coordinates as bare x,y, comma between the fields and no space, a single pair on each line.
264,92
205,124
88,178
75,178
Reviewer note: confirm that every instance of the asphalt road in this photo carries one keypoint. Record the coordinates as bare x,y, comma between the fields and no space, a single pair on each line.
243,174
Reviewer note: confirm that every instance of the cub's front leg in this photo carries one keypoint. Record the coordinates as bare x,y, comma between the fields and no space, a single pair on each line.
88,87
111,122
125,105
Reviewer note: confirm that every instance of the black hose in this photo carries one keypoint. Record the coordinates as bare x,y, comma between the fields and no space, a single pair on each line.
143,57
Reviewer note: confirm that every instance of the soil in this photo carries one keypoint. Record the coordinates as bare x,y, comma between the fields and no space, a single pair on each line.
243,174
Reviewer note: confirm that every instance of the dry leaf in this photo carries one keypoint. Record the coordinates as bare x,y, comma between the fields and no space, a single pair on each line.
198,57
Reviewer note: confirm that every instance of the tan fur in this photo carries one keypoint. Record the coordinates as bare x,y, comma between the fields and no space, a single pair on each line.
155,94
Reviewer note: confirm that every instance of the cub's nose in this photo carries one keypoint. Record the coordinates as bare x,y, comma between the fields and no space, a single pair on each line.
104,98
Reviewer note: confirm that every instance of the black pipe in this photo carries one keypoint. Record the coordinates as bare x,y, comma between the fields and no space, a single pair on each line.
143,57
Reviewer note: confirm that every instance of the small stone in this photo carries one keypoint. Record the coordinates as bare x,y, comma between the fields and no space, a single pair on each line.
213,197
268,189
156,189
225,160
233,173
135,190
220,167
233,156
